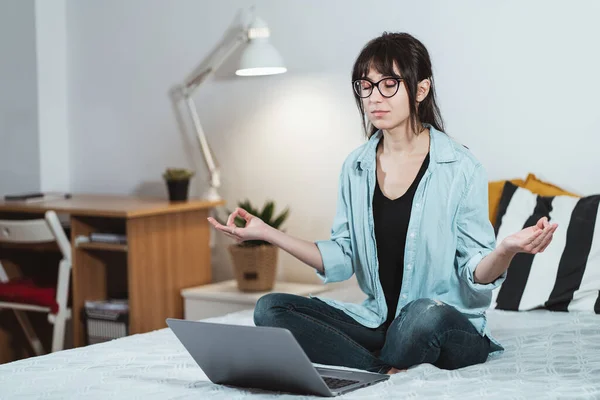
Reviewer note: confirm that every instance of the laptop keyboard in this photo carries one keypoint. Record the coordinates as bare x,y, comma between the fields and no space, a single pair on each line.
335,383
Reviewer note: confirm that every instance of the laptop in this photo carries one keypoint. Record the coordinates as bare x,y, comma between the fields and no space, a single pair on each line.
264,358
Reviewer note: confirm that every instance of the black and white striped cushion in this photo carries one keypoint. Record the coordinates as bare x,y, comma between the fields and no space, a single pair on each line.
566,276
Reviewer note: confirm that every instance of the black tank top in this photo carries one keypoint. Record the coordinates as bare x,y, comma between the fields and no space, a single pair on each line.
391,219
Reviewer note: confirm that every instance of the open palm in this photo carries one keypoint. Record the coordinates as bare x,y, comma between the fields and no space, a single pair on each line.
534,239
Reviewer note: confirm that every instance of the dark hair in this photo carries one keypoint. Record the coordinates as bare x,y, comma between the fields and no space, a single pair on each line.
412,59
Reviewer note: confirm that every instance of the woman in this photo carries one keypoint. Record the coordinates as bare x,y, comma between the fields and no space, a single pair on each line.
411,223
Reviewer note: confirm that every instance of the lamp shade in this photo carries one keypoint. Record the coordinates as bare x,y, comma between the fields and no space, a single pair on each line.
259,57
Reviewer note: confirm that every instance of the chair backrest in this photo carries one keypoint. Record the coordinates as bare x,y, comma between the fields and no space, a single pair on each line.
41,230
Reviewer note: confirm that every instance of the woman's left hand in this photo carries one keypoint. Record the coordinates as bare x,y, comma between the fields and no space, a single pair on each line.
532,240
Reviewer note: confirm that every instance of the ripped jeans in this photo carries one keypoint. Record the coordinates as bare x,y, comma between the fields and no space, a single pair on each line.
425,331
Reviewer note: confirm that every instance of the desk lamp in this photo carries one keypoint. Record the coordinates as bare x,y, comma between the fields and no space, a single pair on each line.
259,57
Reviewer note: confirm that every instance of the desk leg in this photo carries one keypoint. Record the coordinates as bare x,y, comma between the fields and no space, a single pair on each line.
166,253
89,279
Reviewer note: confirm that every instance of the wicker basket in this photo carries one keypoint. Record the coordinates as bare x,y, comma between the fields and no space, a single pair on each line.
254,267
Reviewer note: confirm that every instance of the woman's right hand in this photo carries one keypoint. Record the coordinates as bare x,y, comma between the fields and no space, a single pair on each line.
254,230
257,229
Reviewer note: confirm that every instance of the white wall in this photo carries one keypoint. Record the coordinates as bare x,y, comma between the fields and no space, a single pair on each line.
34,138
53,130
517,83
19,143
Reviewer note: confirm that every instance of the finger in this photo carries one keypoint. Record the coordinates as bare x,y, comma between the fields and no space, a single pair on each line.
547,232
546,243
542,246
232,217
216,223
537,243
234,232
548,239
245,214
232,236
532,237
542,223
530,243
224,229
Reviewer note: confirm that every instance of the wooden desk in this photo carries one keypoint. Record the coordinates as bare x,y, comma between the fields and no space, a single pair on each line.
167,250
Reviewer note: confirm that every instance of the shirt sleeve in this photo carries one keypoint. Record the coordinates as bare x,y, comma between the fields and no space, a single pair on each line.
337,251
476,237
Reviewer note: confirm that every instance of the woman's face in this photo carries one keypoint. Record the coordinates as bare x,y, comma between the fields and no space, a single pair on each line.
386,112
389,112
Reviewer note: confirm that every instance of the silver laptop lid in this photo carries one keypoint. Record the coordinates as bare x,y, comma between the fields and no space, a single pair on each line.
249,356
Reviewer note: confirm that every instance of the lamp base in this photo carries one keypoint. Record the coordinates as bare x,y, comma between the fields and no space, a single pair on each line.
211,194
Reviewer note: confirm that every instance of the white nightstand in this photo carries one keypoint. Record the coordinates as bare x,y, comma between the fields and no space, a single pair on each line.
224,297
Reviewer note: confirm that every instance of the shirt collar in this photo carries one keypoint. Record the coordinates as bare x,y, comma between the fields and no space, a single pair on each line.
441,148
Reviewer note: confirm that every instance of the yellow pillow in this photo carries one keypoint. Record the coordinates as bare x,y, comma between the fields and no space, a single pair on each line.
494,194
542,188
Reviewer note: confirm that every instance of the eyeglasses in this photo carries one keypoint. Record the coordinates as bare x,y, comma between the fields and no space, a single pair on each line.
364,87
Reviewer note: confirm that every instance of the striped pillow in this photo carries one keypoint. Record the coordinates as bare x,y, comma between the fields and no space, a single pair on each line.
566,276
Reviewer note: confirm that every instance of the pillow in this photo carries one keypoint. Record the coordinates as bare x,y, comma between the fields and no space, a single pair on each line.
566,276
532,183
544,188
494,193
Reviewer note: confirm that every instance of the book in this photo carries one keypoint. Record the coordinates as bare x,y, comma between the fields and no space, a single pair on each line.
23,196
36,196
108,238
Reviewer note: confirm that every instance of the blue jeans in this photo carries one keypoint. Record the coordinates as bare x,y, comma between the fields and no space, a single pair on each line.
425,331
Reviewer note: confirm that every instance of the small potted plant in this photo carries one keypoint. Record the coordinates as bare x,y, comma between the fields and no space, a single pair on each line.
178,183
255,261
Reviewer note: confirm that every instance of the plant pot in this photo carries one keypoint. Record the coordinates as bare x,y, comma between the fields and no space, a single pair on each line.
254,266
178,189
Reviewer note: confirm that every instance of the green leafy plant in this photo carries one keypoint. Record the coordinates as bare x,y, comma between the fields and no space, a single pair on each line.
177,174
267,215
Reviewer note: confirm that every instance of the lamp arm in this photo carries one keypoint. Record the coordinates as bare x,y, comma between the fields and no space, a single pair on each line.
211,64
227,46
209,158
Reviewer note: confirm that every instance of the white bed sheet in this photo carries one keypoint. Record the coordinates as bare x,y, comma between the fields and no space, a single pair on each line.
548,355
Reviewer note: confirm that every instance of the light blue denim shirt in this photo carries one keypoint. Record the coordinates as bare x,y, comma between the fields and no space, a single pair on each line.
449,233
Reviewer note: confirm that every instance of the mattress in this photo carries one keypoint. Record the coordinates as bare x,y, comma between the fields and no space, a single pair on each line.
548,355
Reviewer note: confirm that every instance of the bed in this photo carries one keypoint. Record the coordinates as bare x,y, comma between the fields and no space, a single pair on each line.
548,355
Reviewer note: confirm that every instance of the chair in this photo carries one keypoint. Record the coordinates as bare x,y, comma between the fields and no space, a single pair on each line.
22,295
